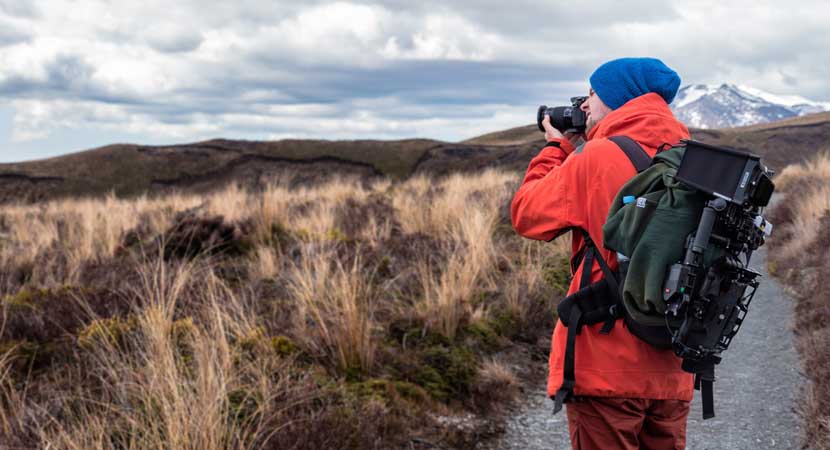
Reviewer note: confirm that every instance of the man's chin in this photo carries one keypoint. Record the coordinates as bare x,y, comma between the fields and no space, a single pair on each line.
588,126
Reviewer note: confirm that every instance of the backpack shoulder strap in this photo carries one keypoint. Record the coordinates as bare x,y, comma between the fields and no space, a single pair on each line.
638,157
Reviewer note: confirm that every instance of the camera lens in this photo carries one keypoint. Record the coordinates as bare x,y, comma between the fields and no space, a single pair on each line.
540,116
563,118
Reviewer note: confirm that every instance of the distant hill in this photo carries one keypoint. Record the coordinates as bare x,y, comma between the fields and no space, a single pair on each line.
127,170
514,136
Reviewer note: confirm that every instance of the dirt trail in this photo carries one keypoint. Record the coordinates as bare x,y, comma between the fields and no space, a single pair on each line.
755,393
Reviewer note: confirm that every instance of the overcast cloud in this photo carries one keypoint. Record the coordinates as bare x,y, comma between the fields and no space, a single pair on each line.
84,73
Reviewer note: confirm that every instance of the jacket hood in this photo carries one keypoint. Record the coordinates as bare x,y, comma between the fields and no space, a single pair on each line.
647,119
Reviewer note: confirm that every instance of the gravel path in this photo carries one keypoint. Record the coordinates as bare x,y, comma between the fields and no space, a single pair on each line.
755,392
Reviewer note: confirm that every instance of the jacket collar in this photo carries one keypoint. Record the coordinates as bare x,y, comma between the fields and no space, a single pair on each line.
647,119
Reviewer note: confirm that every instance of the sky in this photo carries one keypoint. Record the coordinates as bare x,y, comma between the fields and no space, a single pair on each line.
86,73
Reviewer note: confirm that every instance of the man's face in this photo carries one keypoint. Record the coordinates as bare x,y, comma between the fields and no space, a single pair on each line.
594,109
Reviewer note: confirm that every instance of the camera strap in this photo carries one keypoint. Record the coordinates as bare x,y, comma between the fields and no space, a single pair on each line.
703,383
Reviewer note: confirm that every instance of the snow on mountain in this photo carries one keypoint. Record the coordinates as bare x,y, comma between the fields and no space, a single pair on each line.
729,105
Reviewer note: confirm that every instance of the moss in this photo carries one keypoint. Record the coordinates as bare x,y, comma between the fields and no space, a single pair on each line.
26,299
337,235
113,331
375,388
283,346
320,377
428,378
387,391
40,298
252,344
410,391
556,272
483,334
257,344
182,331
353,374
448,373
504,323
243,405
302,234
414,335
772,266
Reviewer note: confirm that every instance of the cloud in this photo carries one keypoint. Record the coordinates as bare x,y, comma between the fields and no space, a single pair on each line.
172,39
11,35
377,69
16,8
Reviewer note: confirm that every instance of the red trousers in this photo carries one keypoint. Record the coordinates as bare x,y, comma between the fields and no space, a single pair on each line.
627,423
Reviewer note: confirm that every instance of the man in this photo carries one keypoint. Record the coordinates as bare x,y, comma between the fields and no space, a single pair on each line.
626,394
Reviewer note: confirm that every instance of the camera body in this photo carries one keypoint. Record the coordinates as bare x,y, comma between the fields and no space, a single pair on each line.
722,172
566,119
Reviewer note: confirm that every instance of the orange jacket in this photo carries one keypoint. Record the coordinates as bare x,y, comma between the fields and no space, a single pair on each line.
564,189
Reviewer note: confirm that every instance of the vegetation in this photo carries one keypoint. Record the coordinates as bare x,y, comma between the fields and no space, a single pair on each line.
802,218
345,315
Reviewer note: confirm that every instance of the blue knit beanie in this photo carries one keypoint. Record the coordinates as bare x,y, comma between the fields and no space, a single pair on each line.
621,80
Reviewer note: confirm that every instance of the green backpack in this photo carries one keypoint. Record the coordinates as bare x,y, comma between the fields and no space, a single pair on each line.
649,222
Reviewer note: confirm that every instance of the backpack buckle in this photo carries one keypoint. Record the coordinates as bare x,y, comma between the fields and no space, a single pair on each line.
611,320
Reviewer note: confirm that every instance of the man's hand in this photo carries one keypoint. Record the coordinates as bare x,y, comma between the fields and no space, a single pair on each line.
552,133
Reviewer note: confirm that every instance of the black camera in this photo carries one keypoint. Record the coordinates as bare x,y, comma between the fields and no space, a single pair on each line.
721,172
567,119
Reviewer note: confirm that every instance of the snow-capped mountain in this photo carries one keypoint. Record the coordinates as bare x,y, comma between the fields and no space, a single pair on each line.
729,105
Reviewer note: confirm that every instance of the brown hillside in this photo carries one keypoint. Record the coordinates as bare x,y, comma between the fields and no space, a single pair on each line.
128,170
513,136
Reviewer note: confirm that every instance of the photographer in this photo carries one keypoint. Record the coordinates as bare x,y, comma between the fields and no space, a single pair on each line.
620,392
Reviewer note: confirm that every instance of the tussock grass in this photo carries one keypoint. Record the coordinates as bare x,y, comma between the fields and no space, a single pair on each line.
173,389
341,315
802,218
818,168
436,208
448,295
336,307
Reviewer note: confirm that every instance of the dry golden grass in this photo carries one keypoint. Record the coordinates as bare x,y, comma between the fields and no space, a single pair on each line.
266,263
497,373
448,294
80,230
425,206
336,307
528,273
808,210
207,356
802,220
817,168
172,389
